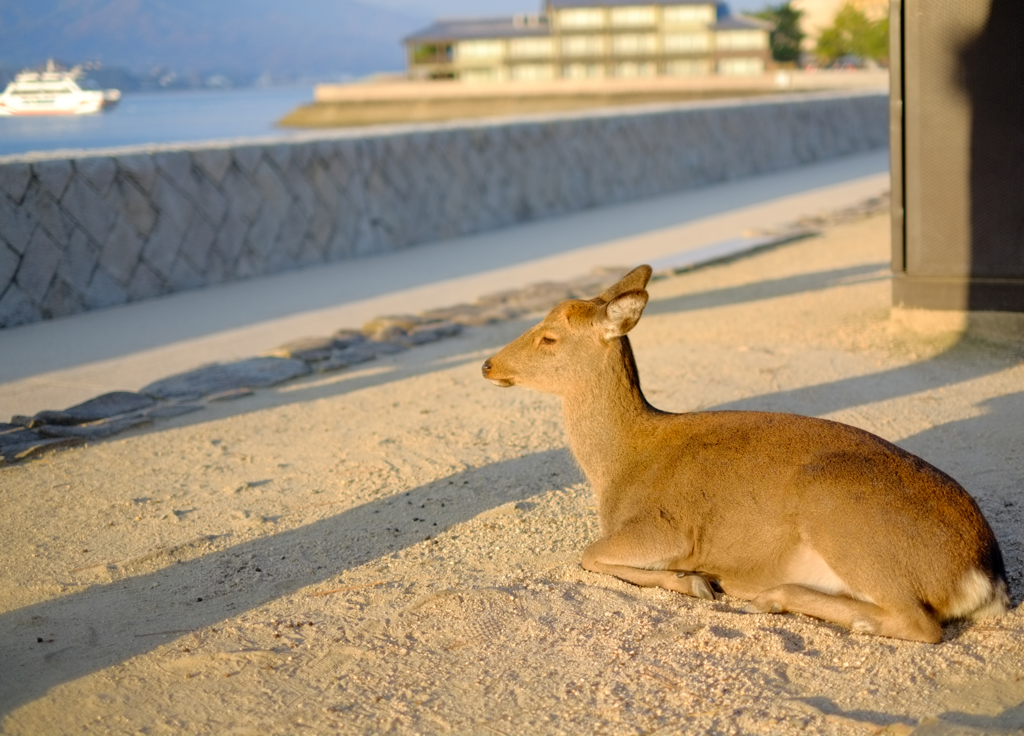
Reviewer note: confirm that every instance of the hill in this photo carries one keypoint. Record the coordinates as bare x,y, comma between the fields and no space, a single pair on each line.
237,38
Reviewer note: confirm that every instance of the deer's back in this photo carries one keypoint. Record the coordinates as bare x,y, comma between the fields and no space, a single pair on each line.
757,481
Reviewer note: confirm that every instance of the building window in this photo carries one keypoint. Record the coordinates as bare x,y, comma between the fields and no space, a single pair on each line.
687,67
686,43
741,40
478,50
581,18
527,72
635,69
634,43
430,53
583,71
740,67
637,15
688,15
493,74
531,48
583,45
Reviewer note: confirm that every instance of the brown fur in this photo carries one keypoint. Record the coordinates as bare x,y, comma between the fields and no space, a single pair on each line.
789,512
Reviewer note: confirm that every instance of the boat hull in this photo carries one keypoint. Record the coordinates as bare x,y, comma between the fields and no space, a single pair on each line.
81,106
53,92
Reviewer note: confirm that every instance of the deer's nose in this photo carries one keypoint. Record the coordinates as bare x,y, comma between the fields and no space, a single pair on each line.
486,368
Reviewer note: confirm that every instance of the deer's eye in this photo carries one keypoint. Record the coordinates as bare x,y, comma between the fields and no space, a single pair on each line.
547,340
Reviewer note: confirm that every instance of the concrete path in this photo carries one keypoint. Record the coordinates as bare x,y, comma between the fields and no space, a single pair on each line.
54,364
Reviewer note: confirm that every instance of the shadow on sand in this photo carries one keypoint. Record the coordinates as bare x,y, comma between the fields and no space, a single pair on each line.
110,623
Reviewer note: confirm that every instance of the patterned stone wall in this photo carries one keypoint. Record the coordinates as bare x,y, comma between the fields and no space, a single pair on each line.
109,227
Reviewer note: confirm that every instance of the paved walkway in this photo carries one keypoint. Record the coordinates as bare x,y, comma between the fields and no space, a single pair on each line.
54,364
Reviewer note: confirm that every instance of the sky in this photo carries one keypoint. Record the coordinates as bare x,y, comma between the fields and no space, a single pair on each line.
443,8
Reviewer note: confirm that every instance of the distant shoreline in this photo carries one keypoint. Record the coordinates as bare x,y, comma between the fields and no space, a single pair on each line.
399,101
382,112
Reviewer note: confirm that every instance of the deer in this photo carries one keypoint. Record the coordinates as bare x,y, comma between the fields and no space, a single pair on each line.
790,513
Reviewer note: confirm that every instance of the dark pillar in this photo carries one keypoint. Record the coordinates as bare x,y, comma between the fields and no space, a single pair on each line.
957,136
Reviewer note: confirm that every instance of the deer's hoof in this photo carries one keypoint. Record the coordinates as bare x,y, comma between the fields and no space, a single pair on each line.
696,586
701,589
759,605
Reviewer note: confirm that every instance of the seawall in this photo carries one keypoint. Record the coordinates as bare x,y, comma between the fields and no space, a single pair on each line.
93,229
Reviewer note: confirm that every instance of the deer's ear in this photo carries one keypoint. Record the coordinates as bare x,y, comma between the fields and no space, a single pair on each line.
635,280
621,314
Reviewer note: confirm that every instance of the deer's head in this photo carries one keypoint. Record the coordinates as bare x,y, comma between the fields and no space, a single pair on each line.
576,339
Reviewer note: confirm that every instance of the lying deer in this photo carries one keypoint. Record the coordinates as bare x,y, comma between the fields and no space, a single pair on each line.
788,512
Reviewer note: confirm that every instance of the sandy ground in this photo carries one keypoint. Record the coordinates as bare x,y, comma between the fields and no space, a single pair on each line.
395,549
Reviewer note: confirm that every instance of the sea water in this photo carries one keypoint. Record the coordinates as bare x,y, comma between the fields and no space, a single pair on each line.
158,117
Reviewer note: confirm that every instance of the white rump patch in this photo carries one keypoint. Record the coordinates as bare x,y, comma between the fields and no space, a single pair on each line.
977,598
808,568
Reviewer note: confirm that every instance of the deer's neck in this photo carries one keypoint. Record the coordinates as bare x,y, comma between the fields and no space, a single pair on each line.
607,419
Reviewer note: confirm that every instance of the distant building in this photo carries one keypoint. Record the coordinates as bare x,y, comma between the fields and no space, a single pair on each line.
580,39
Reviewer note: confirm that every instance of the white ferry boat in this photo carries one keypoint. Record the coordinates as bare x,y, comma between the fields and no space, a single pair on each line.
54,92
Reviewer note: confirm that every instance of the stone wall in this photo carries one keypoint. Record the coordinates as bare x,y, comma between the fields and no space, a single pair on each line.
101,228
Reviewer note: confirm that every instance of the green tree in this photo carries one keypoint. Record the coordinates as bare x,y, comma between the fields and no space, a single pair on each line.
853,33
787,36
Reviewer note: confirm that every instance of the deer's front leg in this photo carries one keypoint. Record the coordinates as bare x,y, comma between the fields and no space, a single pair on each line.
626,557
